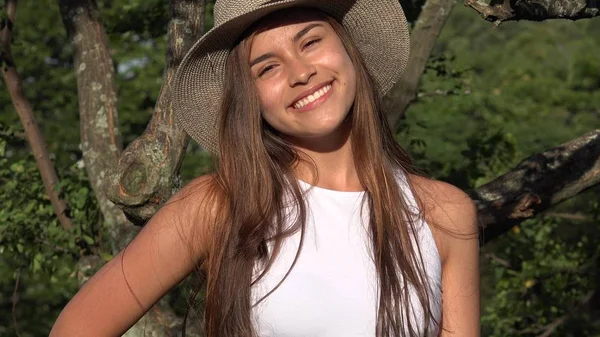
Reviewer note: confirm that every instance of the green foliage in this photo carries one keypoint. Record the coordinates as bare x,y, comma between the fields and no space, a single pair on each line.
535,83
43,58
33,245
541,276
28,225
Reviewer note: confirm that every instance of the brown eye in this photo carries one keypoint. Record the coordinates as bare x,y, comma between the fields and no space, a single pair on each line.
312,42
266,70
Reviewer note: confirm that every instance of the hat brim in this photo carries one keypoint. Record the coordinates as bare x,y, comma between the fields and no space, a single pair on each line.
378,28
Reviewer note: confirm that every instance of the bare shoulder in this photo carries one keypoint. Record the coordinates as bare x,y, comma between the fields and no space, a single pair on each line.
195,208
452,214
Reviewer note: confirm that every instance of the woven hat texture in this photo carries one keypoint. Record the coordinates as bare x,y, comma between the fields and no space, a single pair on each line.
377,27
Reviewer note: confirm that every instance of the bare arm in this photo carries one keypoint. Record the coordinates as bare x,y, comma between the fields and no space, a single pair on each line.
119,294
460,272
455,216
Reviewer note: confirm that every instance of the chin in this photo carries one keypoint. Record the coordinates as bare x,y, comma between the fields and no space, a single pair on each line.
331,126
323,133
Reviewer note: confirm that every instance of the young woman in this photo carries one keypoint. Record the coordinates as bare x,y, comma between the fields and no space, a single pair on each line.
313,223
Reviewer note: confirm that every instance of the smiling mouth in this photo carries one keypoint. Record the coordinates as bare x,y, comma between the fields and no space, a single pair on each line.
304,102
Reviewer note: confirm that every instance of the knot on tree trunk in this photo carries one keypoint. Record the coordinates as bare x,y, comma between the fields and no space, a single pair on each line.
145,177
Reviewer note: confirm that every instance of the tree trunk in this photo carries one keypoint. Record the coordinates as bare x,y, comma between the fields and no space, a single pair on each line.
538,183
101,142
161,147
423,38
498,11
148,170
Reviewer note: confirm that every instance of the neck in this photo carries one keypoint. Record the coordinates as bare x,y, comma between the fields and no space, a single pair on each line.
334,163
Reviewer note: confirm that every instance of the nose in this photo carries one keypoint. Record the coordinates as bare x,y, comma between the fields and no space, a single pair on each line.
300,71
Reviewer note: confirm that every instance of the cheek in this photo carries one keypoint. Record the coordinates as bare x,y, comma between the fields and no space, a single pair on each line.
341,63
349,70
272,104
352,82
346,69
270,96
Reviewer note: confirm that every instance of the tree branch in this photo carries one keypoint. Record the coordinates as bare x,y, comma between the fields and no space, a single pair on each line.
548,329
34,136
572,217
498,11
424,35
538,183
15,300
498,260
101,142
148,170
147,173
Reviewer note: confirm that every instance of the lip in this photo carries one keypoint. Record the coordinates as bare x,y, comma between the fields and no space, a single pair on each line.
310,91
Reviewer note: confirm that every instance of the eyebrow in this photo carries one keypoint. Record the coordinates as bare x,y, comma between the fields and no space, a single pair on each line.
304,31
296,37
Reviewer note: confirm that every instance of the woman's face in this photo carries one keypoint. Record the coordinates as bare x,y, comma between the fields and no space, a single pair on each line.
305,79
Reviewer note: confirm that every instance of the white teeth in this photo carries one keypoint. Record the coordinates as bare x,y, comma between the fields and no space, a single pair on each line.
311,98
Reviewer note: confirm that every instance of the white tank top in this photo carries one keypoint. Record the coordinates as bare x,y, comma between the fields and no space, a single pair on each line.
332,289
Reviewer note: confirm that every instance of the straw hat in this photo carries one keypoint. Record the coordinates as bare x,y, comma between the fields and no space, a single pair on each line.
378,28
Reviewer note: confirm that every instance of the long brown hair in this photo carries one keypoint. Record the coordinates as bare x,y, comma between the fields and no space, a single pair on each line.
255,171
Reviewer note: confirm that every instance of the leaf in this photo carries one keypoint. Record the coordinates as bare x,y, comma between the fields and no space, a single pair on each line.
88,239
2,148
37,262
17,167
106,257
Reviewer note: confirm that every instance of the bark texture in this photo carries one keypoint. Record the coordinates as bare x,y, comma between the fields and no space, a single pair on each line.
101,142
160,323
34,136
498,11
538,183
423,37
147,173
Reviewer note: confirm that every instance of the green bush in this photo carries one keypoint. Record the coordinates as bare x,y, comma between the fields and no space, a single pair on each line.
36,253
